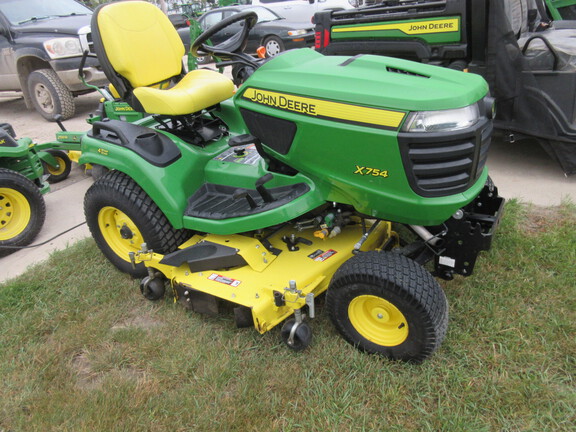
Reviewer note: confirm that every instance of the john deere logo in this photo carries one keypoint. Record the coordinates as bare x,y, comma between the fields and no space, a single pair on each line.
434,26
282,101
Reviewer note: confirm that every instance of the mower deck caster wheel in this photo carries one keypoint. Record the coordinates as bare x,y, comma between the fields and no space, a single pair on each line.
57,174
301,335
152,289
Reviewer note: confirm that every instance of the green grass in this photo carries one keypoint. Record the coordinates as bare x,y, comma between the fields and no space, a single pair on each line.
82,350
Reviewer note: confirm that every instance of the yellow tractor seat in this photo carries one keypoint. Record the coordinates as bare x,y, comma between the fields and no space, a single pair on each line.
141,54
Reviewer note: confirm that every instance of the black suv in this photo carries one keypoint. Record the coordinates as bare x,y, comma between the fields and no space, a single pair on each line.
41,46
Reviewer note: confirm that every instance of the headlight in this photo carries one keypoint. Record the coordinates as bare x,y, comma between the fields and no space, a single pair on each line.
297,32
63,47
443,120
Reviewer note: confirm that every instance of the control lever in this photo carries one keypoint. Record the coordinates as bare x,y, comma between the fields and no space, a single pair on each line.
243,193
264,193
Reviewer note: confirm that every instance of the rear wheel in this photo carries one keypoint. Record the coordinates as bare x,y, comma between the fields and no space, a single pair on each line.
386,304
62,171
22,210
273,45
121,216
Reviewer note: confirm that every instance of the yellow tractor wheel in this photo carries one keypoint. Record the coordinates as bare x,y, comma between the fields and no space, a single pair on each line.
22,211
385,303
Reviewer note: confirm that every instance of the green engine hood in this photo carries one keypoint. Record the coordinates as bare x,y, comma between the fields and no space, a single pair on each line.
376,81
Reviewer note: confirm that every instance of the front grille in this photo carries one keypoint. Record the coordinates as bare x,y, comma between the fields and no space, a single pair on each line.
86,41
441,164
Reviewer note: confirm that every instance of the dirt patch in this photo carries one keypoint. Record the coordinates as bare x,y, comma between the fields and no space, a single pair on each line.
89,379
139,319
541,219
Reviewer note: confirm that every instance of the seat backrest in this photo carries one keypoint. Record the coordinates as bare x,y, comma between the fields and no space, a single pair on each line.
135,40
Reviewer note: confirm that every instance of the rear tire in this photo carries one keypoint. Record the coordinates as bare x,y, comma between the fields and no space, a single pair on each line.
384,303
22,210
49,95
121,216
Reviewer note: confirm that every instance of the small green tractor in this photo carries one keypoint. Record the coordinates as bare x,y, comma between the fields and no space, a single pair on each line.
26,169
359,177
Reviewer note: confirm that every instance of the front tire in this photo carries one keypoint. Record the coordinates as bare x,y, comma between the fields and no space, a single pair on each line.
49,95
384,303
121,216
22,211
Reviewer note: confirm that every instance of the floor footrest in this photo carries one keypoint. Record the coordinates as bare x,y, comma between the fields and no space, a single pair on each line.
217,202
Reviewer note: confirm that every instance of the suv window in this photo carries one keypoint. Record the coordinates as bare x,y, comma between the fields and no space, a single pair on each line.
19,12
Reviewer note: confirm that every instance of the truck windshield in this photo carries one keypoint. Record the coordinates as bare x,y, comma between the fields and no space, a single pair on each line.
22,11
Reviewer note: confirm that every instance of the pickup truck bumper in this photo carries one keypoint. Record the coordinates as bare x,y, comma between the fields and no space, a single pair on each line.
67,70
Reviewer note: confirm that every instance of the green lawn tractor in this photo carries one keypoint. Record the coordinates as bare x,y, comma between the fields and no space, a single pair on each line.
318,174
26,169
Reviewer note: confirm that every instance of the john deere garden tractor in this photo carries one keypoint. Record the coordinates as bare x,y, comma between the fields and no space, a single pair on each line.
344,175
26,169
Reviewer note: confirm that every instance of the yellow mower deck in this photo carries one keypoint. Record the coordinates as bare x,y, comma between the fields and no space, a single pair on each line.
254,285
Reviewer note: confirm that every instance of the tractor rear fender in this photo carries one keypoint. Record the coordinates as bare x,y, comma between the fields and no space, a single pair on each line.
168,186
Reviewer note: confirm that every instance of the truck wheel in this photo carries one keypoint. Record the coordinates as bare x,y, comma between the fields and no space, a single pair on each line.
121,216
49,95
56,175
273,45
22,210
386,304
203,60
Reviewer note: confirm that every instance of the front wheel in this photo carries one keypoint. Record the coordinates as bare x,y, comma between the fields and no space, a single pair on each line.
203,60
121,216
22,211
49,95
386,304
273,45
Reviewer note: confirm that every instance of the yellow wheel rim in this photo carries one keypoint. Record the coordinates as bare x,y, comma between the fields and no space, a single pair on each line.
15,213
119,232
61,167
378,320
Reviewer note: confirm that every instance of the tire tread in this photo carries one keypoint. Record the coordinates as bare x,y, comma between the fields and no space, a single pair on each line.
402,276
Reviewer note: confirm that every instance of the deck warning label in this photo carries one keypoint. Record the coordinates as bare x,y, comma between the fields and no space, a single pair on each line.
224,280
321,256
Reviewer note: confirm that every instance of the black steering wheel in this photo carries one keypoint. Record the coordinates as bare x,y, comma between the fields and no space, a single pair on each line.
235,44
